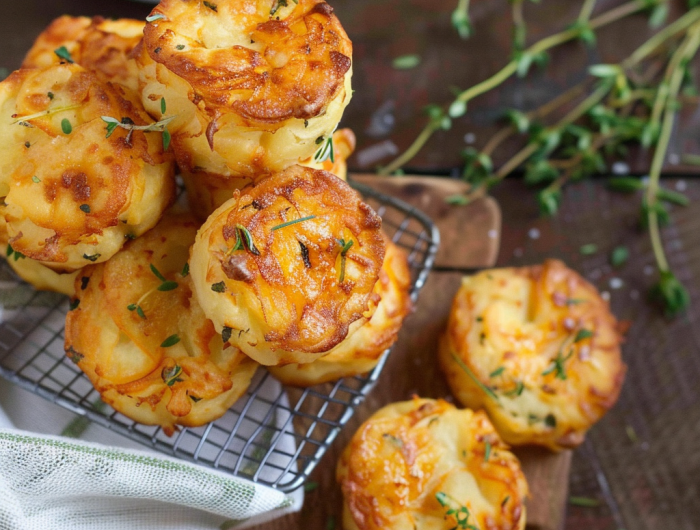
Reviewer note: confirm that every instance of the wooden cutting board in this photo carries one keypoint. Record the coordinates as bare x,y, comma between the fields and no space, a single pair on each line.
469,240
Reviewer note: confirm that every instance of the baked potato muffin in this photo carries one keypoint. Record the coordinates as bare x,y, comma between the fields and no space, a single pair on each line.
31,271
425,465
367,340
287,265
206,192
100,45
538,348
255,83
142,339
74,191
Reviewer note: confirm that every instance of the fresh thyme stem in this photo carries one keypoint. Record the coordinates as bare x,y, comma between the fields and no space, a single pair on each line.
586,11
507,71
685,52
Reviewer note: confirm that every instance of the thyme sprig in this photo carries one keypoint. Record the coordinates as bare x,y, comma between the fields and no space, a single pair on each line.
344,247
325,151
128,124
24,120
634,101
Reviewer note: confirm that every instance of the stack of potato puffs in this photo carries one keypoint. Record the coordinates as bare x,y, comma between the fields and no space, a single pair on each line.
274,260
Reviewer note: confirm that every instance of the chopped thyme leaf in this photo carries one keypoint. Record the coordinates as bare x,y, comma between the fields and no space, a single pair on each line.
503,503
479,319
162,105
185,270
195,398
295,221
487,451
140,312
131,307
278,4
306,123
582,335
490,393
396,442
211,6
131,237
345,246
584,502
85,208
460,512
66,127
218,287
74,304
172,375
305,255
574,301
27,145
172,340
154,17
84,282
498,371
226,334
310,486
157,273
92,258
36,179
63,53
179,47
319,140
50,95
558,365
550,420
518,390
167,286
166,139
74,355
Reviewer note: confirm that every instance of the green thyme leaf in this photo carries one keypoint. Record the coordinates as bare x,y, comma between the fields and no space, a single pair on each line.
66,127
85,208
185,270
74,304
179,47
583,334
498,371
162,105
157,273
139,312
619,256
92,258
226,334
170,341
36,179
74,355
517,391
211,6
64,54
167,286
295,221
50,95
218,287
195,399
487,451
166,139
671,293
550,420
406,62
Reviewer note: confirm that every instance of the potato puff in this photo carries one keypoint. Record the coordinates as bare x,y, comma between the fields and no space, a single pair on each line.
97,44
368,339
206,192
255,83
74,193
140,336
538,348
425,465
33,272
288,265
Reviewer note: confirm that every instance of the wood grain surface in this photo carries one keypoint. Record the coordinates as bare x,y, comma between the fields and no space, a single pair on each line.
412,367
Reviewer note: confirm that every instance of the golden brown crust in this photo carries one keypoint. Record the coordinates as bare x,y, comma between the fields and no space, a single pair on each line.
546,346
292,69
72,193
117,334
412,462
99,45
367,340
285,300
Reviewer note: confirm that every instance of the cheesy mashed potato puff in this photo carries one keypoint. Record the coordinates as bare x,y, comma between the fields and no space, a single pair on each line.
74,192
425,465
255,83
288,265
367,340
536,347
144,342
32,271
206,191
99,45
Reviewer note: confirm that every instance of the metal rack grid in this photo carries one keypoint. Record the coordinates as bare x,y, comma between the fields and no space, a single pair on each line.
273,435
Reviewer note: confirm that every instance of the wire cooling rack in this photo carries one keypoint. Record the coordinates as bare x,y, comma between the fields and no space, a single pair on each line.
273,435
